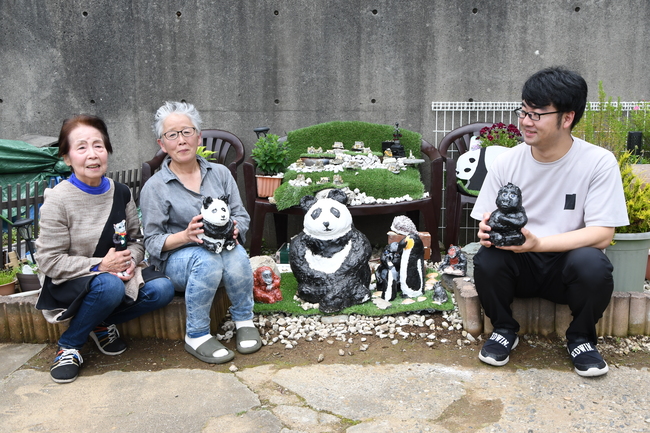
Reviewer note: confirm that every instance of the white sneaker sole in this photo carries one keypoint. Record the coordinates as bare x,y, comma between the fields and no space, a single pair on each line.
593,372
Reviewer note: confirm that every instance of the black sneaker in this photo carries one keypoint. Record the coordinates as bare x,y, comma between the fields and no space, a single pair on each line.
66,365
108,339
496,350
586,359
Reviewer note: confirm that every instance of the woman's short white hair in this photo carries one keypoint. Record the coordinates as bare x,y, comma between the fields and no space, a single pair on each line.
174,107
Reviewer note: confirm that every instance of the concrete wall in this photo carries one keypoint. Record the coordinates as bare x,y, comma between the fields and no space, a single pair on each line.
293,63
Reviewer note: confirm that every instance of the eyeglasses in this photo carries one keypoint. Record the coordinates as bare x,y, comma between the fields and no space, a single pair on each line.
173,135
532,115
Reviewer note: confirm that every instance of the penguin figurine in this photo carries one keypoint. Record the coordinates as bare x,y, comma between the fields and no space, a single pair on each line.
411,269
386,274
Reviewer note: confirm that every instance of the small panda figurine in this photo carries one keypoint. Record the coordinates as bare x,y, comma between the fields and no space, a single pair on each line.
329,258
218,227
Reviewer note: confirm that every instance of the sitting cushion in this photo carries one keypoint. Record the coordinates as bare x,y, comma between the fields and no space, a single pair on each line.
472,167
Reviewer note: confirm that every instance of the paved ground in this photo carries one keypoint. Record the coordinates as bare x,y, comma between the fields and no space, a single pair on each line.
322,397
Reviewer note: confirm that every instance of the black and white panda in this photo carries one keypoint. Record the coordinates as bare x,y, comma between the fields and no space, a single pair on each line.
218,227
329,258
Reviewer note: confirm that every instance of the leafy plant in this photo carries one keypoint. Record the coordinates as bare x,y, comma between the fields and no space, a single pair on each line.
500,134
637,197
604,124
7,275
270,155
201,151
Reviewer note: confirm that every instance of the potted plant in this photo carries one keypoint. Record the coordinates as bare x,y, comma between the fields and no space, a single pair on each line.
629,250
7,281
27,276
271,157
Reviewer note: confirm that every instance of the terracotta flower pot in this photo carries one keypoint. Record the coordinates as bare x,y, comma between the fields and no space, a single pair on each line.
8,288
266,185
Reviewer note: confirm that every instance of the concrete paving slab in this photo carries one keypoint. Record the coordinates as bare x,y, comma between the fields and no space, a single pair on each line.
134,402
13,356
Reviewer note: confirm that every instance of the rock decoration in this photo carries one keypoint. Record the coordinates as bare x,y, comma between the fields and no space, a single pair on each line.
509,217
329,258
454,262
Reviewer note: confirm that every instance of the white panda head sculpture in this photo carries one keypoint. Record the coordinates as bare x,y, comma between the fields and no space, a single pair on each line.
326,218
216,210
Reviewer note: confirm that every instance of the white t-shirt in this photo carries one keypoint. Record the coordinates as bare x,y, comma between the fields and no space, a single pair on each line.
581,189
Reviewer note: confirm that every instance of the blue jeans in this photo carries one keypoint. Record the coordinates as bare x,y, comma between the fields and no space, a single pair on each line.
105,303
198,272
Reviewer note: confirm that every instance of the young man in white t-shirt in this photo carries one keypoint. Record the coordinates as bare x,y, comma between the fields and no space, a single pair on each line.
573,197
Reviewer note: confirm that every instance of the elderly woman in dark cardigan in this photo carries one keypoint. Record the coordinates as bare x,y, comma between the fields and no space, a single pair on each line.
92,277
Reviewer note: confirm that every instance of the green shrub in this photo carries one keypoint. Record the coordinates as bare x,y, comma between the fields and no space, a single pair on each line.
637,197
270,155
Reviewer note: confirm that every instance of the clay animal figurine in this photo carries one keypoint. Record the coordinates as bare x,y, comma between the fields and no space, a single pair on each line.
218,227
120,237
439,294
266,286
508,219
454,263
329,258
411,269
387,273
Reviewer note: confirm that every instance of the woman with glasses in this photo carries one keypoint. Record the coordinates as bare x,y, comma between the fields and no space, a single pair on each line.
171,203
91,280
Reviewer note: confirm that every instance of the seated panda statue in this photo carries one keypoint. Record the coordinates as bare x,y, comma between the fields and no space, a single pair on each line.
329,258
218,227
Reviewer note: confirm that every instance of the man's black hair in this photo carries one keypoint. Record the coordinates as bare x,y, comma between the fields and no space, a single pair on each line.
565,89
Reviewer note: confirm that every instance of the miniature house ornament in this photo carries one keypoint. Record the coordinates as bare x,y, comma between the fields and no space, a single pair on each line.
508,219
329,258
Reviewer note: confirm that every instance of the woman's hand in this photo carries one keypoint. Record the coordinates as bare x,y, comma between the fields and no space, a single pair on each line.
194,229
117,261
235,232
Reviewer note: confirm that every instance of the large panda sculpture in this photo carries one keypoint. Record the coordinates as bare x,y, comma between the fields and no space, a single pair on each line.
472,166
329,258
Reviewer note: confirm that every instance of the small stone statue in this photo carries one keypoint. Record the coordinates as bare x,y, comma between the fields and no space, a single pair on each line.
387,273
218,227
454,263
266,286
439,294
411,268
508,219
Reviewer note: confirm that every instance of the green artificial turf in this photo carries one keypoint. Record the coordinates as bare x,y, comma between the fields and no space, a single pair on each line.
325,134
288,305
377,183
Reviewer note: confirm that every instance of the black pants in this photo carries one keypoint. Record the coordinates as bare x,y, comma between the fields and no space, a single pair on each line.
581,279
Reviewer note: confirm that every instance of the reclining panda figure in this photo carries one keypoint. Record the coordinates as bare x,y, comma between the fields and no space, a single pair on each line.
218,227
329,258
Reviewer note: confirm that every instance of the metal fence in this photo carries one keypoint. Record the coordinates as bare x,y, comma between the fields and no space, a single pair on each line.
25,200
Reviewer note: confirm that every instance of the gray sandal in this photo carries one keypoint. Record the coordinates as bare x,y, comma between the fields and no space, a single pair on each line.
204,352
245,334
